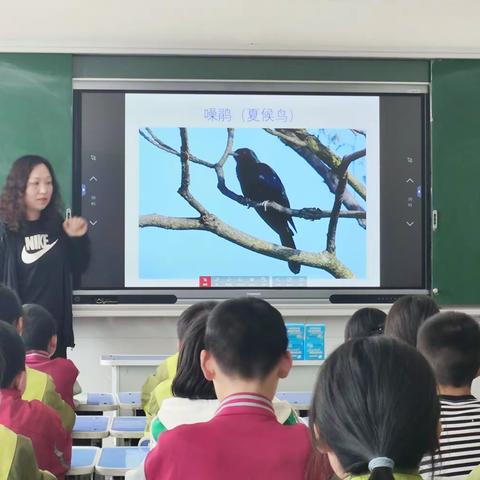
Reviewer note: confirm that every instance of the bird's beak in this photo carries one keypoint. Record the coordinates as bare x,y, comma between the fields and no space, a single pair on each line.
233,154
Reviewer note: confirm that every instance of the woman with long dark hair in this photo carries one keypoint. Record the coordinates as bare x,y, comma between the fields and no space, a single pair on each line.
375,410
39,249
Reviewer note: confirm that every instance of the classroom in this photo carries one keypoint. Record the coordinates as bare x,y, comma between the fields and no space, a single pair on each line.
154,116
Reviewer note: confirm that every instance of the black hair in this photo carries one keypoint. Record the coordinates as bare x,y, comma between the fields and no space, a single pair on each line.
246,336
190,314
38,327
13,352
365,322
376,397
189,381
407,315
10,306
12,204
450,341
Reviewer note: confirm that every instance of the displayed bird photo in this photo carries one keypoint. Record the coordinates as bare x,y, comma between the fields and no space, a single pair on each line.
260,204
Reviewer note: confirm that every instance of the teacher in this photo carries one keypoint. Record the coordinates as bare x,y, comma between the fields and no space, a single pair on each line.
39,250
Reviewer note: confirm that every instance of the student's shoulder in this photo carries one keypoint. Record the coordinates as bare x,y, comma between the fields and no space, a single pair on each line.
65,363
43,411
183,434
297,433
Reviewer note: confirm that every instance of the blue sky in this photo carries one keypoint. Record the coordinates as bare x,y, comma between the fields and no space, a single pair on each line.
168,254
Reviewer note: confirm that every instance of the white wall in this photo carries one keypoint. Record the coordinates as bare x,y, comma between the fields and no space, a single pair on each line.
420,28
146,334
157,335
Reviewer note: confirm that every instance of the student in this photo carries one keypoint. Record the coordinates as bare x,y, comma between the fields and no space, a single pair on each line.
407,315
451,343
194,399
35,420
39,250
40,338
17,458
245,356
372,424
39,386
159,385
365,322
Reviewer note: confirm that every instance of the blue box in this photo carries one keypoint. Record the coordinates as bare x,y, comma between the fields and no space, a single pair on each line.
314,341
296,340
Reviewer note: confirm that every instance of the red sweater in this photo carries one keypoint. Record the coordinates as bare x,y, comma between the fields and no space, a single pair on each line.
63,372
243,441
35,420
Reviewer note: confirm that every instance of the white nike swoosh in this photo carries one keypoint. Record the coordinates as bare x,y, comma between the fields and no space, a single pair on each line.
33,257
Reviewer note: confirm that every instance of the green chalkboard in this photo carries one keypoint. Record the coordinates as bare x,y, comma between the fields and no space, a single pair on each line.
455,177
36,112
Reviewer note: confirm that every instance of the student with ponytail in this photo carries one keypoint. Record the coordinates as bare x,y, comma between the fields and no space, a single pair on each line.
375,410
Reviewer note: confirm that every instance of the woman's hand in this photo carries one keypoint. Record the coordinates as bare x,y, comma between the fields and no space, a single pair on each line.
75,226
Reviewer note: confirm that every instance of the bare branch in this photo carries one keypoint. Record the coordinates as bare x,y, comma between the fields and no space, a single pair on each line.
342,172
360,132
307,213
211,223
184,191
330,178
353,156
154,140
300,139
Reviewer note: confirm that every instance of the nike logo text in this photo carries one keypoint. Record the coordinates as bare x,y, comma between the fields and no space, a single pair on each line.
38,243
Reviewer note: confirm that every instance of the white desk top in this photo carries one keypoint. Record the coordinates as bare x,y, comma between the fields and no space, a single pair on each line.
114,360
128,427
84,460
95,402
116,461
91,427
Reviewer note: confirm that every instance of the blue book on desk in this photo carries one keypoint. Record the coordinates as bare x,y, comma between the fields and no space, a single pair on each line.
296,336
314,341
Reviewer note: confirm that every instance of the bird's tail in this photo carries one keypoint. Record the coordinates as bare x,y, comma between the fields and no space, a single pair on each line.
287,241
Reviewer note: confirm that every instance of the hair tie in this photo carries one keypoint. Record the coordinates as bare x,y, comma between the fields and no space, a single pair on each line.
380,462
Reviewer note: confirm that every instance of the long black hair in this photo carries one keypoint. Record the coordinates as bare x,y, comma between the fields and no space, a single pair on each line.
365,322
189,381
407,315
376,397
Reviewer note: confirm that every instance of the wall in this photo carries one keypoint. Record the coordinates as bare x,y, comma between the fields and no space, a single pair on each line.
96,336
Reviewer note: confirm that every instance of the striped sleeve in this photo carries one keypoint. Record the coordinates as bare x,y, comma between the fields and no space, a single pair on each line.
459,449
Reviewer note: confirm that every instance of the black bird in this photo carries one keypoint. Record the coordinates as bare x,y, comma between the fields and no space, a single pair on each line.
260,183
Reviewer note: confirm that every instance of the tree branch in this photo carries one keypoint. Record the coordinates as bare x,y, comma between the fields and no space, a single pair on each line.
301,138
289,138
184,191
154,140
307,213
211,223
342,184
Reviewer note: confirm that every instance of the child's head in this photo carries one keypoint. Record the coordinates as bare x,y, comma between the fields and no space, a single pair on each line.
189,315
362,411
246,339
407,315
189,381
451,343
365,322
39,329
10,308
13,352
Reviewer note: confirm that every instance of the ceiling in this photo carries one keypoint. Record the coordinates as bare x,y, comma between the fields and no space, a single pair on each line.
381,28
